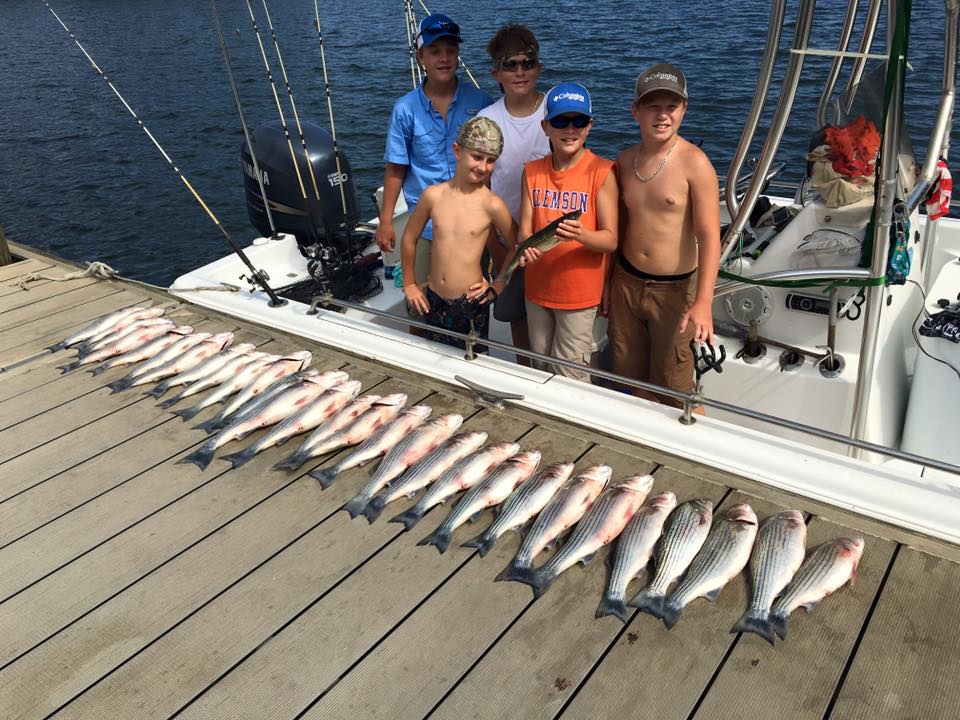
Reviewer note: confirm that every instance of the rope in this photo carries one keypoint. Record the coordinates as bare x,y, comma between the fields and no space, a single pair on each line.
102,271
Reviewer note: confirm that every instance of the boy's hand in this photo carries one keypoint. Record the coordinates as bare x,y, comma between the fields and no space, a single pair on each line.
570,230
701,315
484,291
530,255
386,236
416,298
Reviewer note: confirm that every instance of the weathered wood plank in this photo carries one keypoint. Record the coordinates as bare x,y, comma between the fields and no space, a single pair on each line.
20,268
250,611
907,663
779,681
39,291
57,303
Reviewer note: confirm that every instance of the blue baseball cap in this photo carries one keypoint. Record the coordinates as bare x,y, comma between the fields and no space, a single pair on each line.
568,97
436,26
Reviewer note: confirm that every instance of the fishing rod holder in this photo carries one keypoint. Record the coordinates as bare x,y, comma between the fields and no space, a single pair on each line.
705,359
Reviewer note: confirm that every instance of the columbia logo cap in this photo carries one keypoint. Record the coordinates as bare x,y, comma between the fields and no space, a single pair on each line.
568,97
660,77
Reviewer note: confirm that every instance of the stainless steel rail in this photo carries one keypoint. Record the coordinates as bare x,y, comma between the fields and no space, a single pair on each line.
845,32
774,29
689,400
809,274
778,125
866,41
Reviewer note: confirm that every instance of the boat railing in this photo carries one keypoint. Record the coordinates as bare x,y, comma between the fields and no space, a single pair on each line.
690,401
837,65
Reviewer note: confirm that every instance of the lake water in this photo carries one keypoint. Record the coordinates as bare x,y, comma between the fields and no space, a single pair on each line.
80,179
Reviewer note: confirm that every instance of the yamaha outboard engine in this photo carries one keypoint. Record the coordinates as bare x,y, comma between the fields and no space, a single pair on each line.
326,235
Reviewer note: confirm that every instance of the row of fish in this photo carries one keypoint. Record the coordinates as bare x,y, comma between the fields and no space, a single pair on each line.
692,554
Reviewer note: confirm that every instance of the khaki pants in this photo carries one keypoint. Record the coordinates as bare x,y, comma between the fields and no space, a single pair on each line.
564,334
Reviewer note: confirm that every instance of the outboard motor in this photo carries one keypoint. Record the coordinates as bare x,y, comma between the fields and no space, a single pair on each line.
326,235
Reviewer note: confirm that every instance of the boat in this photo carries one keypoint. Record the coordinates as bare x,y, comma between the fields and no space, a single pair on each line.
823,367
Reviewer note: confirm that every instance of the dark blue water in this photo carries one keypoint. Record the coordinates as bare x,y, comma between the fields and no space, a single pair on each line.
79,178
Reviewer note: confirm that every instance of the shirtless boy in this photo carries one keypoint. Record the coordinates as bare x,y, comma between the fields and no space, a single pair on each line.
661,290
463,210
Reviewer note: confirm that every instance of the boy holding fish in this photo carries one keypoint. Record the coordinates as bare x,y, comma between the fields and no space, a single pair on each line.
565,273
462,210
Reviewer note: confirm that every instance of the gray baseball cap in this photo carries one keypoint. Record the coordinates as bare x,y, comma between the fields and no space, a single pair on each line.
660,77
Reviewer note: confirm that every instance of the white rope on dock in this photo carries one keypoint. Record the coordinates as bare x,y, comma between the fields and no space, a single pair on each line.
102,271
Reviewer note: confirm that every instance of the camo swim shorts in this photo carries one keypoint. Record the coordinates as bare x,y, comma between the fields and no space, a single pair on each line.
457,315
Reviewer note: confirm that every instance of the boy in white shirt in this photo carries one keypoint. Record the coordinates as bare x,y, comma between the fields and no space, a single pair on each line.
515,53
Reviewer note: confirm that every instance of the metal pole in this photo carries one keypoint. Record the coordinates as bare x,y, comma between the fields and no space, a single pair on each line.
779,123
774,29
845,32
411,41
866,41
888,186
243,121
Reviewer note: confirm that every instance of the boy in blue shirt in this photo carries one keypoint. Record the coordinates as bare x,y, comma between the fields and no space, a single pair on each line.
423,127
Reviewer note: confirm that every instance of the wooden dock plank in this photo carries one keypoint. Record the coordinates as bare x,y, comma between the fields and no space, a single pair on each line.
37,292
543,658
778,681
57,303
8,289
243,618
423,665
378,597
676,665
14,271
907,663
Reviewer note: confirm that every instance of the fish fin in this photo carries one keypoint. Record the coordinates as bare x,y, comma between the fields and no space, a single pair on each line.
200,457
587,559
780,624
757,622
158,391
611,606
513,572
186,413
119,385
209,426
64,369
439,538
98,370
57,347
409,518
712,595
325,476
476,516
648,602
373,509
239,458
482,542
356,506
169,403
670,611
540,579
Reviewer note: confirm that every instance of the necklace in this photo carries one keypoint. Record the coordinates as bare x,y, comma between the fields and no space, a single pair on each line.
661,166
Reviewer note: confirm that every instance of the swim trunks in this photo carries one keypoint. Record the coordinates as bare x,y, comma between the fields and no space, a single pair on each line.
457,315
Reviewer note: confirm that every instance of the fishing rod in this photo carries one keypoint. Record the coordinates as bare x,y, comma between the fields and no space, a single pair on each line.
243,121
293,105
255,275
276,99
411,25
459,59
333,127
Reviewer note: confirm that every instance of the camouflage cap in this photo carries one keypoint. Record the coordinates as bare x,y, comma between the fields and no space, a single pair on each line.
483,134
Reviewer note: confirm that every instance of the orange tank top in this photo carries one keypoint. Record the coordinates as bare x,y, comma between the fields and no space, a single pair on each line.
569,276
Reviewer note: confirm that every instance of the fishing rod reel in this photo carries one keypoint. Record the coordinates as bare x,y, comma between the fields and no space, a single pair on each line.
326,235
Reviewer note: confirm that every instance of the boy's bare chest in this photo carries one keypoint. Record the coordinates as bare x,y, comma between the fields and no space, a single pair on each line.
667,194
464,219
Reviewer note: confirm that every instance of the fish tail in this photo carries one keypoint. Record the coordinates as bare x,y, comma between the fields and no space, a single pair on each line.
513,571
69,367
239,458
439,538
356,506
610,605
540,579
670,612
756,621
158,391
200,457
186,413
482,542
373,509
649,602
99,369
291,462
326,476
779,624
57,347
409,518
171,402
209,426
119,385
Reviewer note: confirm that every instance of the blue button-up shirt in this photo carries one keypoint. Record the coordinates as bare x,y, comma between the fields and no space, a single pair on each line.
421,139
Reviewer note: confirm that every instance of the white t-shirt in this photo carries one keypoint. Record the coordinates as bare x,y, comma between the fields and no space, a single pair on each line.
523,141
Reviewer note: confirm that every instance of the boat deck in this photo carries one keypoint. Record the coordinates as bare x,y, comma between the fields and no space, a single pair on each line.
135,587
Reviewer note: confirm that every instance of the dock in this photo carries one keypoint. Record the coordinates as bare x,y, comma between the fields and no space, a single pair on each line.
135,587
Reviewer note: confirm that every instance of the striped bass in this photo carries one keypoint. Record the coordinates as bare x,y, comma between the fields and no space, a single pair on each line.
138,336
230,386
377,444
327,429
633,551
724,555
777,555
543,240
462,476
318,410
106,325
183,355
145,352
492,490
827,568
563,511
90,347
408,452
229,372
526,501
684,534
208,367
600,525
426,471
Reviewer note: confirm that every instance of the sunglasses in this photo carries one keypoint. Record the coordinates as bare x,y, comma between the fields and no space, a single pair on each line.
562,121
438,26
514,65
